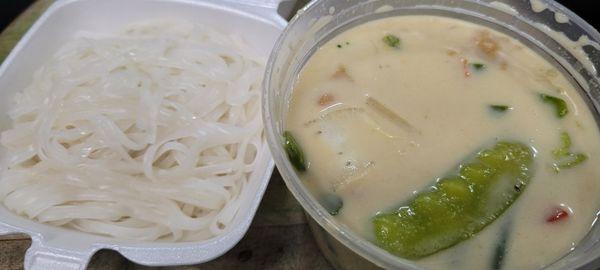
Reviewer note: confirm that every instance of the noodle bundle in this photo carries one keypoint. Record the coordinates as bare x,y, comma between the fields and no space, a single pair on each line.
150,134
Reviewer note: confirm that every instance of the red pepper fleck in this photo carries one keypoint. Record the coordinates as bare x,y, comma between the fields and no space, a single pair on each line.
558,214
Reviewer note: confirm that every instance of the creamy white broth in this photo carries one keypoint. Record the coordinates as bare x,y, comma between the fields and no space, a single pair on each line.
375,161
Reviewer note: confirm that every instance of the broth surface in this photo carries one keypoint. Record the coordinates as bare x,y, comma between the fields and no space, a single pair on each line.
379,121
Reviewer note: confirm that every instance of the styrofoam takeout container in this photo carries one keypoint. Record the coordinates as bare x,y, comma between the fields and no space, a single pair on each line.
256,21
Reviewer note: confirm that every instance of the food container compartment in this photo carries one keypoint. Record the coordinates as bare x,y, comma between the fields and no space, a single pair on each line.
256,21
538,23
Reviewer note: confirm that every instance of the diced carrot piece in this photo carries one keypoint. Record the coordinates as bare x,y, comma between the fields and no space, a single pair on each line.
325,99
487,44
341,73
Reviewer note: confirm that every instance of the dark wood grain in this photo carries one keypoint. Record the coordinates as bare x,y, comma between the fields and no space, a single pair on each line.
272,247
13,33
12,252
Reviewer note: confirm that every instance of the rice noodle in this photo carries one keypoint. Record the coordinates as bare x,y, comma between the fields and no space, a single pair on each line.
149,135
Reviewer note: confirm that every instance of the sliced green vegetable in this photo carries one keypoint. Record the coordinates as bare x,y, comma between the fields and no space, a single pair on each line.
459,206
332,203
392,40
565,158
499,108
478,66
565,147
559,104
571,161
500,250
341,45
294,151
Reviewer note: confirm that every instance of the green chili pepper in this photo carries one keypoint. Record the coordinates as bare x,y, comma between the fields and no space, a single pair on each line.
565,158
457,207
499,108
560,106
571,161
478,66
332,203
392,40
501,247
565,147
294,151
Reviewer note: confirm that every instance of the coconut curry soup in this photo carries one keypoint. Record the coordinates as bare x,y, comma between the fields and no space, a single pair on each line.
447,143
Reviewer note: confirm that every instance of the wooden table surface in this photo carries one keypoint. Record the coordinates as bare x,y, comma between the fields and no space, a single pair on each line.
278,238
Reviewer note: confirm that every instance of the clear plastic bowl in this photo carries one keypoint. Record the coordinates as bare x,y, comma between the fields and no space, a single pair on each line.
323,19
256,21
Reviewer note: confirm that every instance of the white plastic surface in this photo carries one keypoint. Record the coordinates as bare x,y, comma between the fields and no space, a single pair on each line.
256,21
